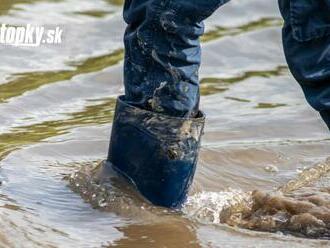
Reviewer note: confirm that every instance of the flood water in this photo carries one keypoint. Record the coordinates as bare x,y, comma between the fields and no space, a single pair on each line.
56,108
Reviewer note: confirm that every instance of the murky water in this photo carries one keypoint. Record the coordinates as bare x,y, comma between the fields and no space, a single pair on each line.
56,106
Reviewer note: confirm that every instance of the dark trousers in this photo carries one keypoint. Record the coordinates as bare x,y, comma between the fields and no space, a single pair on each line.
163,52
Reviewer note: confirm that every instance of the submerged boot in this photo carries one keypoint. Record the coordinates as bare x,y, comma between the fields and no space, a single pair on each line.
156,153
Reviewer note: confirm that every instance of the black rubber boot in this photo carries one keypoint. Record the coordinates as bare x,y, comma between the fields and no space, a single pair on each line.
157,153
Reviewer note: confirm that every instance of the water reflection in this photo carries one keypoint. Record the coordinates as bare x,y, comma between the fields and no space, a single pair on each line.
24,82
220,32
115,2
98,113
162,234
94,13
7,5
212,85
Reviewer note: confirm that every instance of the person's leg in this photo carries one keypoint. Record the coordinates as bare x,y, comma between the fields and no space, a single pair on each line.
306,41
157,125
163,53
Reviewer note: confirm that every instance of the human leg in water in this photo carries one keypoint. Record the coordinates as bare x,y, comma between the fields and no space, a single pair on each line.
158,125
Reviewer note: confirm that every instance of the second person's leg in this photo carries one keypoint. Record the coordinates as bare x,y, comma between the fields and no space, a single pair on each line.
306,41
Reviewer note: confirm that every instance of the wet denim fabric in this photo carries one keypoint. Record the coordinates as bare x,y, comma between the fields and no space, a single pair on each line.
163,52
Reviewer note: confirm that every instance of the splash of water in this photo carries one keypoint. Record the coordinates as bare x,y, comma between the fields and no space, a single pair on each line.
208,206
301,207
99,185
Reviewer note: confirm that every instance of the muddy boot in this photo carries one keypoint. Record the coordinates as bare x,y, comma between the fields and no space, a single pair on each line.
156,153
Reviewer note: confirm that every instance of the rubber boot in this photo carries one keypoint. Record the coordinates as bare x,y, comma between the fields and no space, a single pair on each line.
156,153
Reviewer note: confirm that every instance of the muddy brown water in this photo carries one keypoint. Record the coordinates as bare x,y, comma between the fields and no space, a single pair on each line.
56,107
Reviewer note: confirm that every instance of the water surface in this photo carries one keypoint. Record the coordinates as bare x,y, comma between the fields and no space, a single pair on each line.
56,108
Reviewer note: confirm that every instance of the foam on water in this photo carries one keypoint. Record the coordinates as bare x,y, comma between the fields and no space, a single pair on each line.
207,206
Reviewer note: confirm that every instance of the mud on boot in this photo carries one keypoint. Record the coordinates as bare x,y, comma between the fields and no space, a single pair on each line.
156,153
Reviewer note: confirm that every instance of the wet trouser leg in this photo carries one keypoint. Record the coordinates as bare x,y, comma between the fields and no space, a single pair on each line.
157,125
306,41
163,53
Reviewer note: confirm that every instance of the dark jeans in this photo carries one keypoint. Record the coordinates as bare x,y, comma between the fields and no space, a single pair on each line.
163,52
